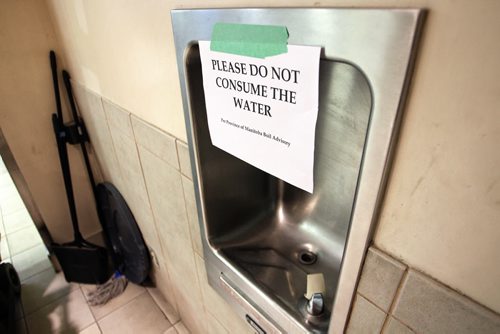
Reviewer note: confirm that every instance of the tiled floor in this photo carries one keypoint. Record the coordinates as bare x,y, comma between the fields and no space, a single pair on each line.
51,305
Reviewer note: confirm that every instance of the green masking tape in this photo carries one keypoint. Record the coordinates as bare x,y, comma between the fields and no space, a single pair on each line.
250,40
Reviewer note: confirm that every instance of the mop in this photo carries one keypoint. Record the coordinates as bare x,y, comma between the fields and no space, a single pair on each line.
109,290
118,282
116,218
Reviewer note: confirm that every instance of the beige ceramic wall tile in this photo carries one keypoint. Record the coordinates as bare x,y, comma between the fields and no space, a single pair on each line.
139,316
93,115
43,288
89,103
161,277
393,326
217,307
182,269
184,159
380,278
192,213
133,187
118,118
68,314
365,317
167,200
214,326
156,141
428,307
168,310
191,310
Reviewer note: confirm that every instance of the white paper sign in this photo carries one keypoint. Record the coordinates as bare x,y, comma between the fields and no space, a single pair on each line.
264,111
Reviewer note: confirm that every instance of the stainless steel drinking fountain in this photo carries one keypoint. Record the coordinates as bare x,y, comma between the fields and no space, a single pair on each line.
262,237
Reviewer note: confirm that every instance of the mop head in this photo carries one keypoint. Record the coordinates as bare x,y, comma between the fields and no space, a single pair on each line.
107,291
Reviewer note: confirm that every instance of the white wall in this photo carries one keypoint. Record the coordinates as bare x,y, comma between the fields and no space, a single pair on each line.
442,207
26,105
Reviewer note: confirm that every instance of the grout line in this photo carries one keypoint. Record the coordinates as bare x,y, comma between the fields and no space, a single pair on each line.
177,154
27,249
87,302
37,273
26,325
177,168
49,301
399,290
154,218
371,302
397,295
98,326
108,128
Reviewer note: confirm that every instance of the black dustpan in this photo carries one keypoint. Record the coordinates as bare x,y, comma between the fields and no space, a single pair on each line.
83,262
80,260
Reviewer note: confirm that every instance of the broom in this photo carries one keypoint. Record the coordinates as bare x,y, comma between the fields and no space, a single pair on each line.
118,282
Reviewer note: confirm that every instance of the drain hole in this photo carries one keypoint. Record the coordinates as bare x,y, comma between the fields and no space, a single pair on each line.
306,257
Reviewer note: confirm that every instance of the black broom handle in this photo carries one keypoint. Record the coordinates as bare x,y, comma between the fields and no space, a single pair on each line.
80,126
53,66
57,122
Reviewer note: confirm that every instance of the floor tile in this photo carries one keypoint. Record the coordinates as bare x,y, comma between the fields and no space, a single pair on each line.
92,329
69,314
7,188
23,240
139,316
99,311
17,220
31,262
167,309
181,329
2,229
3,169
4,175
12,203
171,330
43,288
